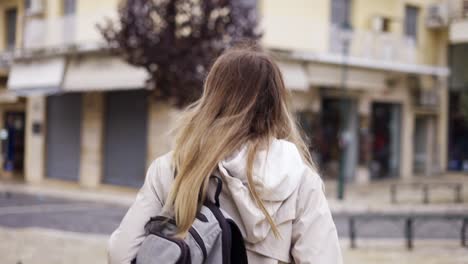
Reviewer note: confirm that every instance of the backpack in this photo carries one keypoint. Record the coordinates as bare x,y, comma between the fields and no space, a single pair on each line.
213,238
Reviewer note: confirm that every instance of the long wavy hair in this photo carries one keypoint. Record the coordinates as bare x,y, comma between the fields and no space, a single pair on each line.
244,102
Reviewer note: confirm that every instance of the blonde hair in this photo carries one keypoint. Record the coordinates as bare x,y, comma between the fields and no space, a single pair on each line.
244,102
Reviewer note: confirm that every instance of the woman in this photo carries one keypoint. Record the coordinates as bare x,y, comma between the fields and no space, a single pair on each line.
242,131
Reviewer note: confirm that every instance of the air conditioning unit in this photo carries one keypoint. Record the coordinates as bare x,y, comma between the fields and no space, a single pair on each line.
437,16
35,7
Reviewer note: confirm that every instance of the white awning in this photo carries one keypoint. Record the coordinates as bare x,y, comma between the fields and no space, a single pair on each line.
294,75
320,74
41,76
102,73
458,32
371,64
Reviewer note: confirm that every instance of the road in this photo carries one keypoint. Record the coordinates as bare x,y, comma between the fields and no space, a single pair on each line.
21,210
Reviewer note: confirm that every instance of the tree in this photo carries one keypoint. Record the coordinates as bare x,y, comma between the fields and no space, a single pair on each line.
177,40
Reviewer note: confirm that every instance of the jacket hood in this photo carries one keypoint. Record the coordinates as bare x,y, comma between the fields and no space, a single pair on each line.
277,172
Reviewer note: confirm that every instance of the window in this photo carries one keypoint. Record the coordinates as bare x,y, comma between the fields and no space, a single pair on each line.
69,7
27,4
465,8
380,24
10,27
386,24
341,13
411,21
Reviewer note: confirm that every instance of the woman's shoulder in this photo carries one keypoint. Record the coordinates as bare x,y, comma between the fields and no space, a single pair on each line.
161,174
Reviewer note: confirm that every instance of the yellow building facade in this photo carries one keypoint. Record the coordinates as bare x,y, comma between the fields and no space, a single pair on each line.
392,79
12,117
378,85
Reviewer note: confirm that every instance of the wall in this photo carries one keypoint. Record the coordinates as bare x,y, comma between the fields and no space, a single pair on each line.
295,24
35,142
92,130
4,5
428,39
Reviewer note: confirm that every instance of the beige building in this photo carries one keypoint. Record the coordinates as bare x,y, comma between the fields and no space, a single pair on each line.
458,84
382,79
370,83
12,108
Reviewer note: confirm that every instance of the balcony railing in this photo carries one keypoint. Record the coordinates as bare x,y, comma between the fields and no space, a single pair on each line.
5,59
457,9
373,45
66,31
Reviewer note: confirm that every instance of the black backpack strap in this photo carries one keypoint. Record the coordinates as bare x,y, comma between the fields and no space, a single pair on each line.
238,251
219,188
233,246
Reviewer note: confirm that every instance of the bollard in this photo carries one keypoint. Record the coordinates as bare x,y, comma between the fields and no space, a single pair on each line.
393,194
352,233
463,232
425,194
458,193
409,233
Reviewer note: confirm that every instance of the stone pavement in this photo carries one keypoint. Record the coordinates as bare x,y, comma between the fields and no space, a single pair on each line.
376,196
66,224
33,246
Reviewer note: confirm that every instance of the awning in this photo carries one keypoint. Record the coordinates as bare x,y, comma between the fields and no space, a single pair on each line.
320,74
41,76
294,75
370,64
102,73
458,32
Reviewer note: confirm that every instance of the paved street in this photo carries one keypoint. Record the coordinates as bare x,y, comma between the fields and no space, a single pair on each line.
76,231
22,210
33,246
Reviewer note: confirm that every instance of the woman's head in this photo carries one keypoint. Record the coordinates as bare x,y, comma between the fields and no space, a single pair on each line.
246,85
244,102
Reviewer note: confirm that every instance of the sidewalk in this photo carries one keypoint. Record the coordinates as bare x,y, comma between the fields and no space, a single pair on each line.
54,246
372,197
35,245
375,196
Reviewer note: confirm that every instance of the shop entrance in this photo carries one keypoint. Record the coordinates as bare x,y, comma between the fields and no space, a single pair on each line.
386,131
63,136
125,148
337,114
425,147
13,143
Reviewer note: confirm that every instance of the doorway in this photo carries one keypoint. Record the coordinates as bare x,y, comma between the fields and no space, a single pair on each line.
13,143
63,138
337,114
125,148
425,160
386,140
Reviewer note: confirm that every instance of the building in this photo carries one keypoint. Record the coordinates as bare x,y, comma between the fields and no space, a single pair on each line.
90,120
374,66
457,20
12,108
374,69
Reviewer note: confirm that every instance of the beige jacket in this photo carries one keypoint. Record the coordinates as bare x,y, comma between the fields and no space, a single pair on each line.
293,195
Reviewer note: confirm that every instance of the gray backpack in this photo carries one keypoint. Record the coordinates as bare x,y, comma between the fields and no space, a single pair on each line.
213,238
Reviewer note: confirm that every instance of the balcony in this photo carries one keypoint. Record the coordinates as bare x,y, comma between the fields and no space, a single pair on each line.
458,12
74,31
377,46
6,59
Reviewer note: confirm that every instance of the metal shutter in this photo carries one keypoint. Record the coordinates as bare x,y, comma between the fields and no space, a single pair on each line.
63,136
125,138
